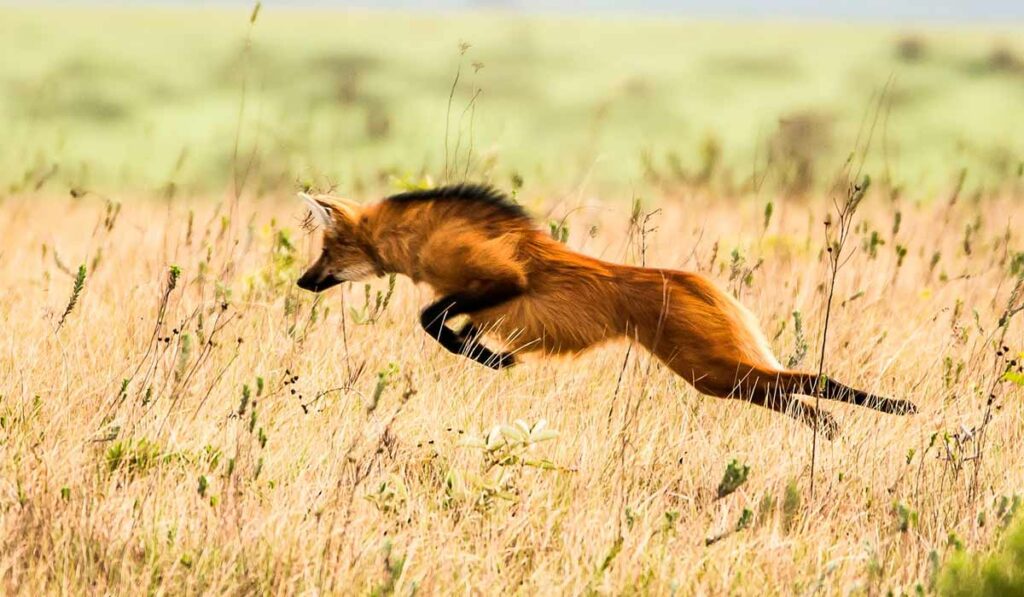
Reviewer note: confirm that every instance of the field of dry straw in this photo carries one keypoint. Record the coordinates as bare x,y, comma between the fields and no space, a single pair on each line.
192,422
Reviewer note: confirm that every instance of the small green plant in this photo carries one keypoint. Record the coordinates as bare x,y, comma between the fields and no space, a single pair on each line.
1015,371
951,372
211,455
482,491
389,495
1017,264
668,525
1007,508
173,274
136,457
243,404
746,518
608,559
765,508
393,567
872,243
735,476
953,540
743,522
559,230
385,378
934,261
407,183
517,181
791,506
509,445
184,354
739,274
507,449
901,253
906,518
76,292
372,310
283,253
800,342
280,271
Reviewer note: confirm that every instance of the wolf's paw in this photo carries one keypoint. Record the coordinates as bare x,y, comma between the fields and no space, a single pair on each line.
828,425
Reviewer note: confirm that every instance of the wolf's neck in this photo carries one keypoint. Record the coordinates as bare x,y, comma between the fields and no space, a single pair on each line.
397,243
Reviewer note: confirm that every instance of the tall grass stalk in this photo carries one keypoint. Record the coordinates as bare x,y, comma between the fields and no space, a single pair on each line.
836,236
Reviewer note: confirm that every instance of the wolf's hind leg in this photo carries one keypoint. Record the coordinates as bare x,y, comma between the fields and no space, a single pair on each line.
767,390
807,414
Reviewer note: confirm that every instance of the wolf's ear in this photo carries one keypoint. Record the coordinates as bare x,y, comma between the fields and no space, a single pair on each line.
330,211
319,212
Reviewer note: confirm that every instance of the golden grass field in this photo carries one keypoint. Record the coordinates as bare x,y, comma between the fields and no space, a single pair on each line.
140,452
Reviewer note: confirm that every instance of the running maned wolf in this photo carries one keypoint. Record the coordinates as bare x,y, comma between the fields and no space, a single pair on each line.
484,257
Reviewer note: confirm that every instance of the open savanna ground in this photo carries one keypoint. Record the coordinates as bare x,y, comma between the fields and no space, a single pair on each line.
177,417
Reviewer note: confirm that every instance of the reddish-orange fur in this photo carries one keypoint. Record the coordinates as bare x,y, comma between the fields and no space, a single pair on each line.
566,302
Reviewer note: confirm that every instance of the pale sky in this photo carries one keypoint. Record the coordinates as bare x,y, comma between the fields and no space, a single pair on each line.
1008,12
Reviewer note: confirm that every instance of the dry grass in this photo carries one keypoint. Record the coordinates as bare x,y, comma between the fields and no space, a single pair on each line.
165,487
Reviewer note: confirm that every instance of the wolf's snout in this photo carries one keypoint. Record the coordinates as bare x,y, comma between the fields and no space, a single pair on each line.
317,282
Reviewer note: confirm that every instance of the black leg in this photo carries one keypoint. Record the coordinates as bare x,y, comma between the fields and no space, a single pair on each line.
464,342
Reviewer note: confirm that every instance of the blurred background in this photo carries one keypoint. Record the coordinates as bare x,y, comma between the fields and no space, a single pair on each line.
181,97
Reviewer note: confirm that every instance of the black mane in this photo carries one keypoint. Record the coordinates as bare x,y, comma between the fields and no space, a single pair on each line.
470,193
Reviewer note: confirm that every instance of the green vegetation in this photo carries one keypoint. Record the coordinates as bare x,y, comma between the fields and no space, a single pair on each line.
999,571
735,476
117,99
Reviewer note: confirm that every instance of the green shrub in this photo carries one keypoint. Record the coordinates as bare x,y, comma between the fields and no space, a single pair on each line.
997,572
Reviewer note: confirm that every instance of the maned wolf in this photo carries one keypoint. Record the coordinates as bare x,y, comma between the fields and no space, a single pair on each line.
483,256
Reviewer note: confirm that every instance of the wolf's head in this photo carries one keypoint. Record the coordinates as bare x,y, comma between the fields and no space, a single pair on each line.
346,257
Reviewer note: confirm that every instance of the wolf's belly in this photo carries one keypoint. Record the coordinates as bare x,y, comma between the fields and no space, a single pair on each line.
549,324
